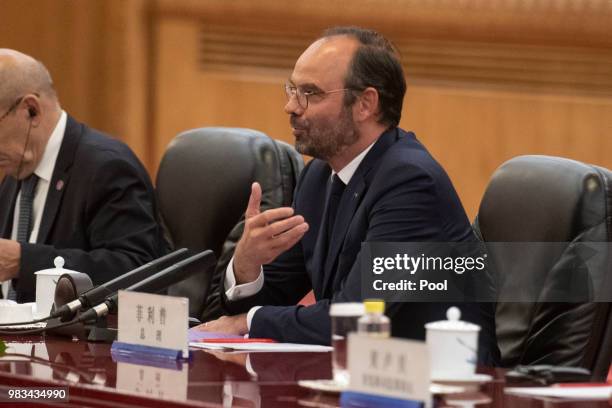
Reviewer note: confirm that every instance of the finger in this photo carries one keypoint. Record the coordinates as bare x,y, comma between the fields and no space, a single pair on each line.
270,216
281,226
202,327
289,238
254,201
277,214
214,326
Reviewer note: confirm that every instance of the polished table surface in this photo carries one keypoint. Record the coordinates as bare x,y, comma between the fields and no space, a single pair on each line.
211,379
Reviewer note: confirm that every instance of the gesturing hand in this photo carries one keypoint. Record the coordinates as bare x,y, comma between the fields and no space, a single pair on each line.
266,235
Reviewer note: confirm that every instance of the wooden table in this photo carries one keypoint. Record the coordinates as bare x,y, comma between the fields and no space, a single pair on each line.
215,379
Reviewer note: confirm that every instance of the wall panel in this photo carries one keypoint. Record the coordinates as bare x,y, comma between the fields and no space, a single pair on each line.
488,80
485,82
95,51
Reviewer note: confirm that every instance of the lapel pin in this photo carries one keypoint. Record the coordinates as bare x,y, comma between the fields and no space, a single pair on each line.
59,185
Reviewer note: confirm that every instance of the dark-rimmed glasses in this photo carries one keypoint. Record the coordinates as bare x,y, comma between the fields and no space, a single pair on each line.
302,96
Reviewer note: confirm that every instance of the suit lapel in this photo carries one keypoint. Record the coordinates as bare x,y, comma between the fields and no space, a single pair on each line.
10,187
352,197
61,175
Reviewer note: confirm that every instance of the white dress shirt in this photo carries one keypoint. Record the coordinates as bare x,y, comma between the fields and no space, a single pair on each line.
44,171
236,292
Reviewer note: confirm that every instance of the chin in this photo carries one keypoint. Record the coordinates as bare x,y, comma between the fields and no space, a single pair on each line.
303,148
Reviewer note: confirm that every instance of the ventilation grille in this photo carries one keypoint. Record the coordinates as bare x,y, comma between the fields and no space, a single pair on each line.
462,62
221,49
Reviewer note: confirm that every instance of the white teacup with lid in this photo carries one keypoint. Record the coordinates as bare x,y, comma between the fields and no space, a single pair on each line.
46,280
453,347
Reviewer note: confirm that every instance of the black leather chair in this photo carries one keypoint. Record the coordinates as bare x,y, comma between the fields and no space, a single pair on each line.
203,186
549,199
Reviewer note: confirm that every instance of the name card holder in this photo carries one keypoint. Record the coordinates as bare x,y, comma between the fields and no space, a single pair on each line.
152,327
387,372
165,380
351,399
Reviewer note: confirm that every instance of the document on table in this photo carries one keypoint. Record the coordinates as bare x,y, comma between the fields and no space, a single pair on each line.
262,347
195,335
583,392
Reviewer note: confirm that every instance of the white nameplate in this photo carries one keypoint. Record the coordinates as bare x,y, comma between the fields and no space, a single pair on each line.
154,382
394,368
153,320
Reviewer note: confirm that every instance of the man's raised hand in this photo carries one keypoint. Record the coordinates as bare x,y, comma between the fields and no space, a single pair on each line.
266,235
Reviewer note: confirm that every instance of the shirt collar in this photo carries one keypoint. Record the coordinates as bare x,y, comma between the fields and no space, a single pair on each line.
346,174
47,164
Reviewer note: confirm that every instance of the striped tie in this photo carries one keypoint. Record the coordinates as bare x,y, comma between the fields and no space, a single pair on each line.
24,228
25,208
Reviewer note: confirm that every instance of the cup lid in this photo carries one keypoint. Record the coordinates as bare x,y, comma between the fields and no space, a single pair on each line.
374,305
58,270
346,309
453,314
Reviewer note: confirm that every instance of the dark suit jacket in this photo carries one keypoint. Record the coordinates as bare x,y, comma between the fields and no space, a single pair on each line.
399,193
100,213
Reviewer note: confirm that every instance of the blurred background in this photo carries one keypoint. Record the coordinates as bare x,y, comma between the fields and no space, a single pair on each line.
487,79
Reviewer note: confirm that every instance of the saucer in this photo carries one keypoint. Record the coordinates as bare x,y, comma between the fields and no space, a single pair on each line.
467,399
440,389
18,328
12,312
322,385
467,381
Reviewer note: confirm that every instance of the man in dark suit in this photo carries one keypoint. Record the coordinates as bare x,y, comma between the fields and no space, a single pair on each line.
344,100
69,190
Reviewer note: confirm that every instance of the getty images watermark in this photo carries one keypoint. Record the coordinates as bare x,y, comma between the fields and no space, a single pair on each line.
491,272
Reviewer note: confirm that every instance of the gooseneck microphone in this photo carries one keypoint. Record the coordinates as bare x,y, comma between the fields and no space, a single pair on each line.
201,262
98,294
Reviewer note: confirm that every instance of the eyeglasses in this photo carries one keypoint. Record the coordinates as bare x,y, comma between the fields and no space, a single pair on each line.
11,109
302,96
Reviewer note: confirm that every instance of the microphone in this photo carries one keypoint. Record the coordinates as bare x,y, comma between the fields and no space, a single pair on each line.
98,294
201,262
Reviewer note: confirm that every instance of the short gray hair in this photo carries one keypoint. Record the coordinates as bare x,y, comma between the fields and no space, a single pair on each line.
21,74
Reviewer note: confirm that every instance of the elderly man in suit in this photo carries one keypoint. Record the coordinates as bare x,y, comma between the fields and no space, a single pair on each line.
369,181
69,190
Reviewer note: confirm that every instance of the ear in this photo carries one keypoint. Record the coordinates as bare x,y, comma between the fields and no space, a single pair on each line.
33,108
366,107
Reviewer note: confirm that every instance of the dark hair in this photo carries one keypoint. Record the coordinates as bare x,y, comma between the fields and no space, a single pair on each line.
375,64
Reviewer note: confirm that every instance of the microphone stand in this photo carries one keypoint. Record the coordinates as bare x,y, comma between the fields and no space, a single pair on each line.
68,288
98,330
76,286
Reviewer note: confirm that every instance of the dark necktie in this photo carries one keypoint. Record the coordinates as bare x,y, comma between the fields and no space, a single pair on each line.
25,222
337,188
24,228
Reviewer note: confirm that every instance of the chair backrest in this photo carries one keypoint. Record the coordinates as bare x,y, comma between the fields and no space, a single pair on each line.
203,186
548,199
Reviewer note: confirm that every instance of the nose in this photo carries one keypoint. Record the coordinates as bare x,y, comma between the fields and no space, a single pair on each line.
292,107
